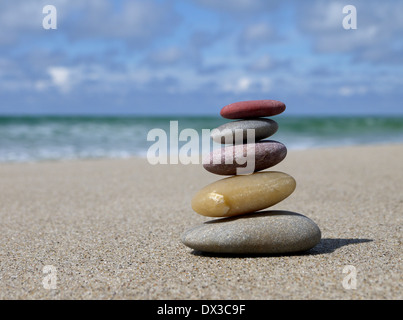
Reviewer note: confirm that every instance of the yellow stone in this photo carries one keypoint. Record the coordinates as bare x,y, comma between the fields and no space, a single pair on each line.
243,194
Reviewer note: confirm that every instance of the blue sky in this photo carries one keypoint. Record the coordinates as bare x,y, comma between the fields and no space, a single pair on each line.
195,56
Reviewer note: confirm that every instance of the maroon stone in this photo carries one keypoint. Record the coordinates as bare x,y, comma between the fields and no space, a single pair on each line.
252,109
267,154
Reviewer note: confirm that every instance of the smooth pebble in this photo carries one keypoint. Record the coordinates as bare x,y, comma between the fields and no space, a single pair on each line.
228,132
268,232
252,109
243,194
260,155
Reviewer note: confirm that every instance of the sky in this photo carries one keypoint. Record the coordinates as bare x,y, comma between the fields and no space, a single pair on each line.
155,57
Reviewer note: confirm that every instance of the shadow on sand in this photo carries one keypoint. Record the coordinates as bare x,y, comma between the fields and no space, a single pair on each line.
325,245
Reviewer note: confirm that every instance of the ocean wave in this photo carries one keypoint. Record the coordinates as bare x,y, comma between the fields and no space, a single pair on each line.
27,139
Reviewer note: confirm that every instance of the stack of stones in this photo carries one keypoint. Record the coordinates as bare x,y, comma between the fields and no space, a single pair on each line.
239,198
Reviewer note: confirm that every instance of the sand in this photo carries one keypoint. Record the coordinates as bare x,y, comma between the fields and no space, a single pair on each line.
111,230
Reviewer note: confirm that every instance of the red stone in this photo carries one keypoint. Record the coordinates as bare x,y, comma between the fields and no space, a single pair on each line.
252,109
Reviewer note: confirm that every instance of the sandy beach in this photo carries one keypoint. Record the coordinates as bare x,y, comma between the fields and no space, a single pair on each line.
111,230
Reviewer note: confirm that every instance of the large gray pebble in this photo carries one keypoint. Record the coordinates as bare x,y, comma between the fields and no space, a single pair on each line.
226,133
268,232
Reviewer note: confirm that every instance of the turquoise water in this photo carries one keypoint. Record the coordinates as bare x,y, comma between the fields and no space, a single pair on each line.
25,139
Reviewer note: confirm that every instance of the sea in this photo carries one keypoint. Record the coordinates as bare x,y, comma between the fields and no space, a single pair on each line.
54,138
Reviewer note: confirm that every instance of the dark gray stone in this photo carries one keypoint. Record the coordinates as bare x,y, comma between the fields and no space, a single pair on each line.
263,128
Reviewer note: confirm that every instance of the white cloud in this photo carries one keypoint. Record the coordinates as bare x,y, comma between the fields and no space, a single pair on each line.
41,85
323,15
166,56
248,84
379,25
347,91
243,84
263,63
20,18
256,35
136,22
60,77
